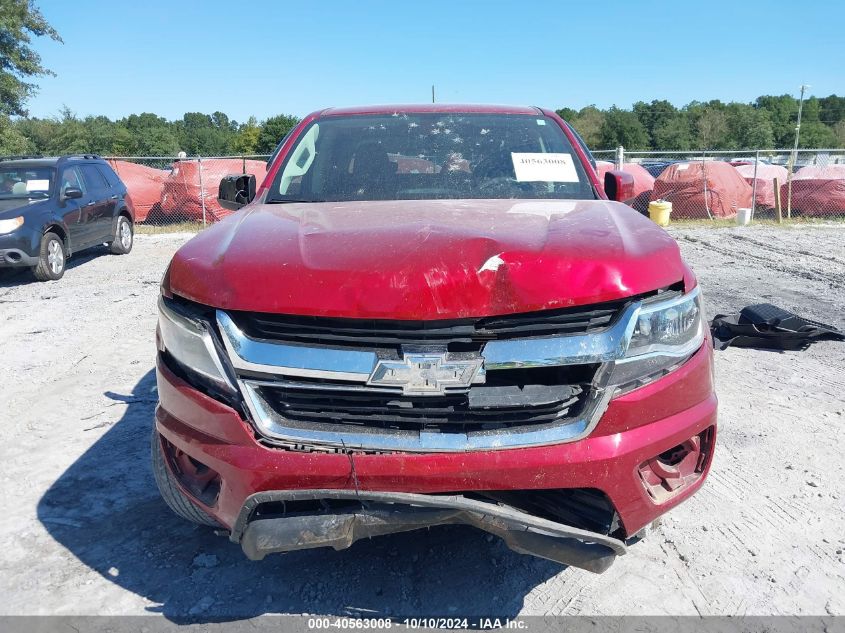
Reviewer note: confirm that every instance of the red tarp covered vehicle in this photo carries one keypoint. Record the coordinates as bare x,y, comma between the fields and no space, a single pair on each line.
694,188
643,182
766,174
817,190
186,188
143,185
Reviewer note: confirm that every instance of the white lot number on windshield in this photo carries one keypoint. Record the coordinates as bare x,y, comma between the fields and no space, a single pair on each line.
540,167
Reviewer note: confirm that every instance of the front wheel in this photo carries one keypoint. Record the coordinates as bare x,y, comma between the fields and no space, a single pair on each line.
169,489
52,258
123,236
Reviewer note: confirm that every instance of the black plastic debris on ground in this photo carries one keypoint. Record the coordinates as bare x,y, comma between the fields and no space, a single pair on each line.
765,326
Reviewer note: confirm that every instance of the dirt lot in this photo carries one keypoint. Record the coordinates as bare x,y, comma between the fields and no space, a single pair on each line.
83,531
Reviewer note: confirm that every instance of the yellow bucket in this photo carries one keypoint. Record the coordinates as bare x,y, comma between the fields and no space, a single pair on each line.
659,212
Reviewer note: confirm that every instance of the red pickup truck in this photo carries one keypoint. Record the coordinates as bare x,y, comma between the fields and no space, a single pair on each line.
428,315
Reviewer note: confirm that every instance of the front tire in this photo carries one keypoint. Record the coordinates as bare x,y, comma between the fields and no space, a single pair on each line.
124,236
52,258
169,489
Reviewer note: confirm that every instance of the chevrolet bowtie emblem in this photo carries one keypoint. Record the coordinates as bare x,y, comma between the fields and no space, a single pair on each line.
427,373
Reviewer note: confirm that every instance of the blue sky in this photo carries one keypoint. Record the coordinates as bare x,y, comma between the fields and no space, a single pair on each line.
264,58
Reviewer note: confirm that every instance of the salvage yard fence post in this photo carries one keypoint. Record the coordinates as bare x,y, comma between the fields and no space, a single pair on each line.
778,209
754,184
202,191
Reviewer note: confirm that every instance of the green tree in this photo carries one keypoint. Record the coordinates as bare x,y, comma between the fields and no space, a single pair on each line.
832,110
815,134
274,130
246,140
654,115
674,133
151,135
205,134
783,113
622,127
588,123
12,141
839,133
748,127
71,135
710,124
20,21
567,114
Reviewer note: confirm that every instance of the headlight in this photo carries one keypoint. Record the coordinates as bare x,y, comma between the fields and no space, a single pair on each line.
7,226
665,334
188,340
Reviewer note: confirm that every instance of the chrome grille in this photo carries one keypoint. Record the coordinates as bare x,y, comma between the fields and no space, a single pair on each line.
367,333
451,413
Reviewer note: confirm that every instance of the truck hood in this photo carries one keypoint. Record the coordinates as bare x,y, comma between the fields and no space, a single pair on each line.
425,259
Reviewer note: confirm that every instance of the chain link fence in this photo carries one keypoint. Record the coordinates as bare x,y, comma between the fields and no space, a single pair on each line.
778,185
174,194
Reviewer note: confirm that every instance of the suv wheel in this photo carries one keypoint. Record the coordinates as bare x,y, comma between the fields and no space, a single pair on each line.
52,258
123,236
169,489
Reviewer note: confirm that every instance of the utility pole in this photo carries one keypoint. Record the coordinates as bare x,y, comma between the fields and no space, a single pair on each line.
794,156
432,93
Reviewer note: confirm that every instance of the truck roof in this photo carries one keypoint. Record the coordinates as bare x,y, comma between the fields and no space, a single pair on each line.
431,107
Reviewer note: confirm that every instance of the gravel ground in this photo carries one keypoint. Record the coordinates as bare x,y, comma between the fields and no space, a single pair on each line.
83,531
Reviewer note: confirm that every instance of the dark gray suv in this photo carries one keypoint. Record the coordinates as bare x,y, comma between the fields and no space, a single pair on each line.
52,208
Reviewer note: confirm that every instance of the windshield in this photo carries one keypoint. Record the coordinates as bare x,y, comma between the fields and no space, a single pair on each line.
430,156
26,182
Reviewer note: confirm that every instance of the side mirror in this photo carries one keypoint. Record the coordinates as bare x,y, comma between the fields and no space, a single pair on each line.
72,192
236,190
619,185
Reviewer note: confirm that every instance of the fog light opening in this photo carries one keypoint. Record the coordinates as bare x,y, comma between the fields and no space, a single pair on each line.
669,472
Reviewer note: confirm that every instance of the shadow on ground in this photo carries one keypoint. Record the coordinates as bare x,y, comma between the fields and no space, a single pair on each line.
105,509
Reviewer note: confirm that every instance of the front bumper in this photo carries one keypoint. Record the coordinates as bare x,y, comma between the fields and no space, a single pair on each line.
635,429
19,248
392,512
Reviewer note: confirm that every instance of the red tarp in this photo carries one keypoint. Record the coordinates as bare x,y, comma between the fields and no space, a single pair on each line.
684,185
182,197
143,185
817,190
643,181
765,195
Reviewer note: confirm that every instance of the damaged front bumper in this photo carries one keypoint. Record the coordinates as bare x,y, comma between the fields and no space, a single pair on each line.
346,516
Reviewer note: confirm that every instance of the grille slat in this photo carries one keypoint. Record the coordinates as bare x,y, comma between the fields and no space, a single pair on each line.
390,333
451,412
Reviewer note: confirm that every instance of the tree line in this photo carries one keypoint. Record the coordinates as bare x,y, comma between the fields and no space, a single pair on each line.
769,122
145,134
766,123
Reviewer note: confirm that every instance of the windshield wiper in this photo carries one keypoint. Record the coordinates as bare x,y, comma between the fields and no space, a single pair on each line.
288,200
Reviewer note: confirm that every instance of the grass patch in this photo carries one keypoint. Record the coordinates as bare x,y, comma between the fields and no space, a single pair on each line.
175,227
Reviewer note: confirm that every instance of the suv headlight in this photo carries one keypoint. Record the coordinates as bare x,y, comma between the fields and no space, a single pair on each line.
665,334
189,341
7,226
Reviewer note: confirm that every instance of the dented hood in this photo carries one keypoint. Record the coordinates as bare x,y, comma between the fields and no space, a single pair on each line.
425,259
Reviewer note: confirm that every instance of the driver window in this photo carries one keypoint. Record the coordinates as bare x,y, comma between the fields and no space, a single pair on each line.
70,178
